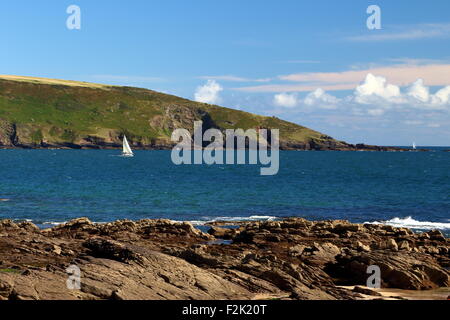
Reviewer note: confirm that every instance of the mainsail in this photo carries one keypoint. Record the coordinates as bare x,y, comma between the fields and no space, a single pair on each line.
126,148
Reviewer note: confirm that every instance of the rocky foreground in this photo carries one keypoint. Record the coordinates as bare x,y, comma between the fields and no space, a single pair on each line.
161,259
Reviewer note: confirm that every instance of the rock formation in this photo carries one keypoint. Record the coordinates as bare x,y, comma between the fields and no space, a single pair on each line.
161,259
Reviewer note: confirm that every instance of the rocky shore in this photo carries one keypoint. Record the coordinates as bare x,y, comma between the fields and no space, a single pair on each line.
161,259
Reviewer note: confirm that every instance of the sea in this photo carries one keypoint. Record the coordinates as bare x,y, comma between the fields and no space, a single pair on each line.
403,189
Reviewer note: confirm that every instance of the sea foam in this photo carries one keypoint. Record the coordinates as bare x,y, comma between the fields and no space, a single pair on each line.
231,219
411,223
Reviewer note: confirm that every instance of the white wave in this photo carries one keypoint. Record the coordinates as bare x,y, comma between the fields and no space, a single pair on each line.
251,218
193,222
230,219
411,223
53,223
40,223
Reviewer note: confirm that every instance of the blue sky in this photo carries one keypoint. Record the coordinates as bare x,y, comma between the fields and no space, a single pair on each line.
311,62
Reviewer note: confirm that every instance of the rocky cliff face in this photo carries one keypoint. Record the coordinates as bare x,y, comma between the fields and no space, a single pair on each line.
160,259
45,113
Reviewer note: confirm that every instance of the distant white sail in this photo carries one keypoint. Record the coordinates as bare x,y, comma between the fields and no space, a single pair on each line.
414,146
127,152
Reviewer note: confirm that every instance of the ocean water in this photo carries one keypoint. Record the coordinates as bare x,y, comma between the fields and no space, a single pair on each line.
400,188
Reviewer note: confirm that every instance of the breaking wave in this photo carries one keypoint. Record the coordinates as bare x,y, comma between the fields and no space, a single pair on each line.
411,223
231,219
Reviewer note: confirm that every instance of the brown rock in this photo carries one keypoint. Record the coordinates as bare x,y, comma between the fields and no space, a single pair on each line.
436,235
366,291
297,250
8,225
28,226
362,247
56,250
162,259
221,233
404,245
347,227
401,270
389,244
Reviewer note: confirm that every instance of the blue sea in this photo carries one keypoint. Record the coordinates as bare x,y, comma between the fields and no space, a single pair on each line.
47,187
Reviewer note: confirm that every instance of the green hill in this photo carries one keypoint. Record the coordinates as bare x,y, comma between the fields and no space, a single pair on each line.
37,112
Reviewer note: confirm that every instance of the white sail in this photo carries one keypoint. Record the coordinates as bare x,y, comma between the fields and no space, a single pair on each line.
414,146
126,148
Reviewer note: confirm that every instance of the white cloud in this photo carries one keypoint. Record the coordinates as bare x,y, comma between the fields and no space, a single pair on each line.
375,88
286,100
317,99
377,91
209,92
375,112
374,96
321,99
418,91
442,96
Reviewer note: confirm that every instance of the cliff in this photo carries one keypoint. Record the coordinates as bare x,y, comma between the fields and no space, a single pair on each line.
49,113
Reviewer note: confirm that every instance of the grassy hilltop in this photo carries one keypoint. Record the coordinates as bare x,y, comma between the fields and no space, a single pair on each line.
38,112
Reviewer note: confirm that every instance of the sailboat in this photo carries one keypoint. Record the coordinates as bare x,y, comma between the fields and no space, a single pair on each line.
414,146
126,152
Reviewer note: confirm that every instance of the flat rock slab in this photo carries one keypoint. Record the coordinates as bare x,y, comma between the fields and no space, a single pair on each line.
162,259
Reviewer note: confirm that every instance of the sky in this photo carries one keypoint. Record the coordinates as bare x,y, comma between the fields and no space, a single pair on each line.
315,63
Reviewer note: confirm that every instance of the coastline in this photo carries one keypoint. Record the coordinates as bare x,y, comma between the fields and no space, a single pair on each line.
291,258
350,148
